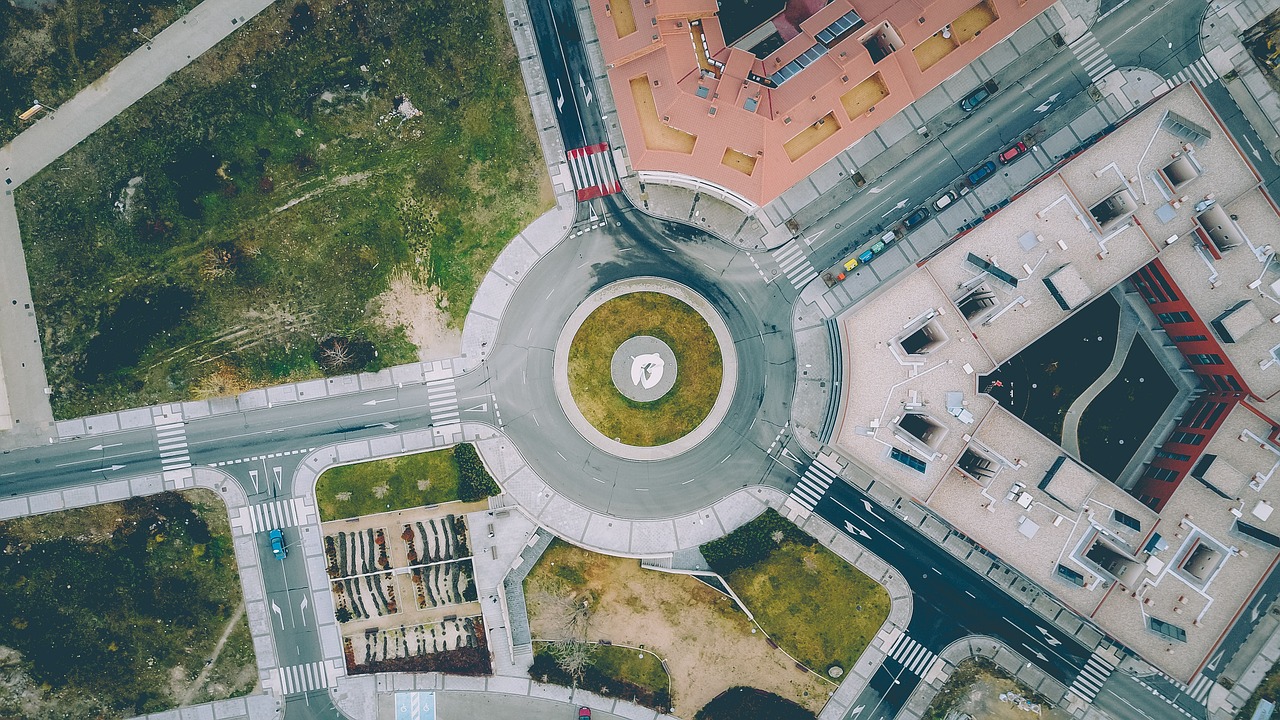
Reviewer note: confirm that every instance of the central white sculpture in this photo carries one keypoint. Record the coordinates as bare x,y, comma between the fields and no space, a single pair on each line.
646,370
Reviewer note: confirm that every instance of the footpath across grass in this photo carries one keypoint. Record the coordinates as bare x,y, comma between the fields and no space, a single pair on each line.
815,605
243,224
428,478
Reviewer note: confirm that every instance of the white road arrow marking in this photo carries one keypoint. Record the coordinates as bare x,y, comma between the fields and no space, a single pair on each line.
1253,149
867,504
1044,106
857,711
809,240
559,96
482,407
276,609
108,469
104,447
1257,609
375,402
279,482
303,607
253,477
1213,665
901,204
787,454
386,425
1053,641
849,527
1033,652
589,97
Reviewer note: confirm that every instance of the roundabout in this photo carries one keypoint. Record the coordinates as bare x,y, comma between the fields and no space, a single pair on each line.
645,368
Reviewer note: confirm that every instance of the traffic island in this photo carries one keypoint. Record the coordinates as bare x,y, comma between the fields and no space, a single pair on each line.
645,369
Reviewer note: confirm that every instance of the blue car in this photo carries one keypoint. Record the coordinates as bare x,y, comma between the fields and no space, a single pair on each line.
277,544
982,174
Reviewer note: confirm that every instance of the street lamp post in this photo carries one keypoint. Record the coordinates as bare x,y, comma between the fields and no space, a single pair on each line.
149,39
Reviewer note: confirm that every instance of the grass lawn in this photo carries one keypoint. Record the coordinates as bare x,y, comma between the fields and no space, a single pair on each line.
113,610
638,667
50,51
634,675
230,228
815,605
407,481
698,365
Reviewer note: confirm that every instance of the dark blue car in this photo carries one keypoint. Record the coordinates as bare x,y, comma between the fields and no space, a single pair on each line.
982,174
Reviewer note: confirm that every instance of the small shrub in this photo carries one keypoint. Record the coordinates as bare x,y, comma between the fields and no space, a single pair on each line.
475,483
752,542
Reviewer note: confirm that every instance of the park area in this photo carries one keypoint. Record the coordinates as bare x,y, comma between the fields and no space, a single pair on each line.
320,193
817,607
707,643
121,609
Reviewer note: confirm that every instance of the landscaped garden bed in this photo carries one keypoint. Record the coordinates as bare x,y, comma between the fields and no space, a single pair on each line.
406,481
981,689
456,645
816,606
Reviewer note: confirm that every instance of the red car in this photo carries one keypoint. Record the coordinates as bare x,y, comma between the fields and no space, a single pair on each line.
584,713
1013,153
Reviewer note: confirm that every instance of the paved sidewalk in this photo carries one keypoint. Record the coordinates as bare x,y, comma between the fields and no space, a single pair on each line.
1220,37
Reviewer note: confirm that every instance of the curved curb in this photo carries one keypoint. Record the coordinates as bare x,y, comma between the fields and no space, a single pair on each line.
1005,657
728,364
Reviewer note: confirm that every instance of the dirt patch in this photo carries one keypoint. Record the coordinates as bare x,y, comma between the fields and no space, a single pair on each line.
980,690
424,315
708,645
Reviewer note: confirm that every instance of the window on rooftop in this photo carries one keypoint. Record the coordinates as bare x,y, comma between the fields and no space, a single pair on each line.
977,466
1180,171
1174,317
922,428
1127,520
978,301
1202,561
1071,576
923,338
1168,630
908,459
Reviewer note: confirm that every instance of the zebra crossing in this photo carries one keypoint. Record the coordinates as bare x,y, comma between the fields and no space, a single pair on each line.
1096,671
294,679
813,485
1092,56
283,513
1199,690
914,657
1200,71
442,400
171,438
593,172
794,264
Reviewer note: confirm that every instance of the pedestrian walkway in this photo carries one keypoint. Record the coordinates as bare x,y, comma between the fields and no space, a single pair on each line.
593,172
1090,680
914,657
813,484
172,441
1200,71
296,679
794,264
1199,690
442,400
283,513
1092,56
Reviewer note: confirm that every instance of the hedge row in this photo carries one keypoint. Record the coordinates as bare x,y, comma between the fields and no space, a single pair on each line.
474,482
752,543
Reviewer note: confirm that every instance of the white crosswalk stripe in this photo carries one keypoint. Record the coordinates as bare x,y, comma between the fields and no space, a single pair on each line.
442,401
593,172
794,264
813,485
171,442
914,657
1091,678
294,679
1200,71
281,513
1199,690
1092,56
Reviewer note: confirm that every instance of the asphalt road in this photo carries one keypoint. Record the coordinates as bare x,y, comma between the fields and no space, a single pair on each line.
950,601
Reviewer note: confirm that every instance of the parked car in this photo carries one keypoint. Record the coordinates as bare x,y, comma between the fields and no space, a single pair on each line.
915,218
1013,153
945,201
584,713
277,544
971,101
982,174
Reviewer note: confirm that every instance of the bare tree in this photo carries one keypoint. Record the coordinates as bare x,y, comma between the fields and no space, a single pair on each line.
568,615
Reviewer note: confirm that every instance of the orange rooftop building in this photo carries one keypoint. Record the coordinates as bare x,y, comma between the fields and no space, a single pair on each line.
755,110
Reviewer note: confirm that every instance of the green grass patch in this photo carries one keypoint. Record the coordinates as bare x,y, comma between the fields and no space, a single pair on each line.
745,703
50,51
615,672
698,363
818,607
240,225
112,610
408,481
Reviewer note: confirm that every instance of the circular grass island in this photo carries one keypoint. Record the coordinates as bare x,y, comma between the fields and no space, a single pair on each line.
593,381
